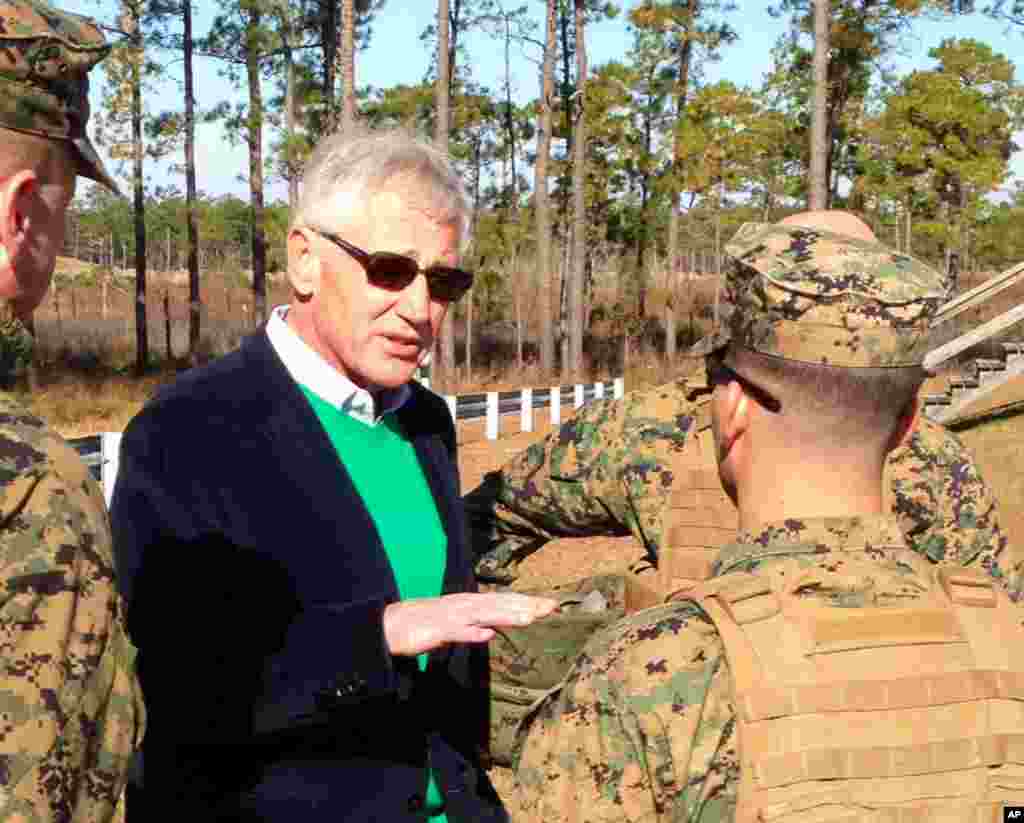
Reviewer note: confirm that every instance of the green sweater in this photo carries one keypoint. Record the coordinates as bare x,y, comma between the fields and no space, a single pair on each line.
387,474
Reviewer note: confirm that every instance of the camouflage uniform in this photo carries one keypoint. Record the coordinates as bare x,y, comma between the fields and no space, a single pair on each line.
644,728
71,710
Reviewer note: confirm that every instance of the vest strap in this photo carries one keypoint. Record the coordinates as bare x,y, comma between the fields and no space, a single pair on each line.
768,702
857,813
843,763
966,587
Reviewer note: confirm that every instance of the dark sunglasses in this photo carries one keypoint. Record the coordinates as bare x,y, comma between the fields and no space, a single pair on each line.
720,374
394,272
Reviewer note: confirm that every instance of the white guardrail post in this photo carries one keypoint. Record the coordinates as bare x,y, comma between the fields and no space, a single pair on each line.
526,410
556,408
577,395
492,415
110,445
598,390
450,400
618,387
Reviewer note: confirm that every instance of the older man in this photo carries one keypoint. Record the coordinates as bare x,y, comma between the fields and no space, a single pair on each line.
828,671
291,538
72,710
645,466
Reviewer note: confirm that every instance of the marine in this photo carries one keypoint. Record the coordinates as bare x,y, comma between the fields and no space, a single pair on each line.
629,466
71,711
827,670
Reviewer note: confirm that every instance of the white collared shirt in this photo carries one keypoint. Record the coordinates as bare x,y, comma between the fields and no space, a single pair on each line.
309,369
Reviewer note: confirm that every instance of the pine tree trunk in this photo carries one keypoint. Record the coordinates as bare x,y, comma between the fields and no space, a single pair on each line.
469,337
329,38
141,328
441,125
817,183
675,199
292,166
255,138
195,301
579,256
545,269
347,64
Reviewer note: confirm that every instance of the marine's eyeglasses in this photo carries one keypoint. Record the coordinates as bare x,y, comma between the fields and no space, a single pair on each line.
394,272
721,374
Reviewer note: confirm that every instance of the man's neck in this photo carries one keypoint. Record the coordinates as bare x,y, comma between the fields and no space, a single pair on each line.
823,486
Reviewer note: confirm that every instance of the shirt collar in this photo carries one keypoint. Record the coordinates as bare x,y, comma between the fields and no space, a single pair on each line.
309,369
794,536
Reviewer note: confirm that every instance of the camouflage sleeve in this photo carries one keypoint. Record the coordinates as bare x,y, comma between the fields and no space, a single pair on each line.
946,509
642,730
604,472
72,709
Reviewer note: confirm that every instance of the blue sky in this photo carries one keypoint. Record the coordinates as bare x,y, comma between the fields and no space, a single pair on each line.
396,55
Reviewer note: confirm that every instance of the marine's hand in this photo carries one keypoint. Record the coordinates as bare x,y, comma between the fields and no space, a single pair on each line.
421,625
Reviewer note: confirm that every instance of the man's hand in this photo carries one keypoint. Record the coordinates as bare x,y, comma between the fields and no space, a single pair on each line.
415,626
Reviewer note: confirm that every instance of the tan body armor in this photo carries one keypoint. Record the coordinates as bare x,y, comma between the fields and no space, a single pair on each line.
699,519
902,714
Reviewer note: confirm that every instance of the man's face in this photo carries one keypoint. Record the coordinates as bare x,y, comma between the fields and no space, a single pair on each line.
372,335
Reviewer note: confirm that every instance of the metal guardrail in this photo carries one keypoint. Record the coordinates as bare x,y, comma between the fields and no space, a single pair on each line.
474,406
90,449
99,451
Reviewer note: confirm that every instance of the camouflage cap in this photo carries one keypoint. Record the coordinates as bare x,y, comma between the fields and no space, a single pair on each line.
45,58
820,297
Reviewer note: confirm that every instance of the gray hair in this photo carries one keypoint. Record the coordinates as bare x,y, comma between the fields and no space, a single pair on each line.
360,163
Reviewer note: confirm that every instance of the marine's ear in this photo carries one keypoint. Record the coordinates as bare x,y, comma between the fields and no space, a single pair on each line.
906,424
733,415
16,193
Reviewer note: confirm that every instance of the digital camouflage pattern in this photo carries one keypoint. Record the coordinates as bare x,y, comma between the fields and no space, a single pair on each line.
948,512
645,727
45,58
528,663
548,490
811,295
71,711
603,472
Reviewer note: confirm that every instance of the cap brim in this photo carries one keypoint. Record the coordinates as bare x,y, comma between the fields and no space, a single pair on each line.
92,167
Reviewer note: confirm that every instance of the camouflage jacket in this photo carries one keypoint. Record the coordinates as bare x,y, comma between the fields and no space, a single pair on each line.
607,471
72,707
644,728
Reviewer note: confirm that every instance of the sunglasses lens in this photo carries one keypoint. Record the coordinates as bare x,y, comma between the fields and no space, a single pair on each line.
391,271
448,284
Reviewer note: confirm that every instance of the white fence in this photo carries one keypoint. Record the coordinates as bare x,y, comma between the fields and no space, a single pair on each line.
100,451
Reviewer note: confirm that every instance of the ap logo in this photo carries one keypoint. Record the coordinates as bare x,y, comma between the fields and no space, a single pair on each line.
1014,813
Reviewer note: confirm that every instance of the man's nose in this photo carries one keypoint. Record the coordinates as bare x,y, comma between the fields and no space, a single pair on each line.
414,303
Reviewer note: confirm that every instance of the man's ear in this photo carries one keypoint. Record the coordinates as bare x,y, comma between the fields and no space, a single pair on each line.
734,415
906,424
16,194
15,221
303,264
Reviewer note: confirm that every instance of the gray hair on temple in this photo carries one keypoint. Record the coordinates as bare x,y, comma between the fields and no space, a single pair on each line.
360,163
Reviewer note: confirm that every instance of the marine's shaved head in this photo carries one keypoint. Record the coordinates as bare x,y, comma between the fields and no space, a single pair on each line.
840,222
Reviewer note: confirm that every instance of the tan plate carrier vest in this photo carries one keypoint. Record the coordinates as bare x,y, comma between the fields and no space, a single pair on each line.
699,519
873,715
